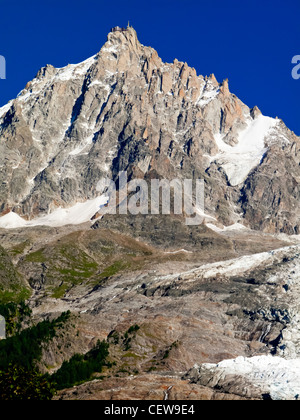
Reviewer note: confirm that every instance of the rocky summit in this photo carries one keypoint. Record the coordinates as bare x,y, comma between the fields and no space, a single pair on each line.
125,110
189,312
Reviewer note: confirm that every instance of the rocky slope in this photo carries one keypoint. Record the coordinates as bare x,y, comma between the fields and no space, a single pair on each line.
124,109
197,296
186,314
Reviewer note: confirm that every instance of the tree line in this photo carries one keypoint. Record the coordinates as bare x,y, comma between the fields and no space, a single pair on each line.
20,378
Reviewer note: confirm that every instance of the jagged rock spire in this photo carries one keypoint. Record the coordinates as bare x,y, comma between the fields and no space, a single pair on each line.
124,109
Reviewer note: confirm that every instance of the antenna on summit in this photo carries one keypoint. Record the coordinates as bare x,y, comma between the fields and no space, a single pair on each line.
128,26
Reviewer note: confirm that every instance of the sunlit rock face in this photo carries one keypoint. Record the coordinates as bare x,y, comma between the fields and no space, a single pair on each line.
124,109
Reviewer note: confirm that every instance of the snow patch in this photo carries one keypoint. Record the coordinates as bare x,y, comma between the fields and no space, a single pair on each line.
113,48
238,161
11,221
101,84
4,109
83,146
75,215
74,70
71,71
178,252
208,94
235,226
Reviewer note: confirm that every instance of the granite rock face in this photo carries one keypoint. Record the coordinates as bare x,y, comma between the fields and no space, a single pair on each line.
124,109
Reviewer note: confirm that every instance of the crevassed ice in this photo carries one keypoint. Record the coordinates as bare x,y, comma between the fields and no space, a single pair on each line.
275,375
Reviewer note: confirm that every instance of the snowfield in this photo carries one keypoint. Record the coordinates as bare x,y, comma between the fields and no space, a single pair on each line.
238,161
75,215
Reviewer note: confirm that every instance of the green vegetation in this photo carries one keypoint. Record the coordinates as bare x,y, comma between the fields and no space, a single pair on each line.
114,337
113,269
14,315
25,348
65,263
37,256
81,367
60,291
129,335
12,285
168,350
79,258
19,294
19,249
18,383
20,353
133,329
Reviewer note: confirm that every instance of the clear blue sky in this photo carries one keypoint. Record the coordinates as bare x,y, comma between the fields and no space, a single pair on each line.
250,42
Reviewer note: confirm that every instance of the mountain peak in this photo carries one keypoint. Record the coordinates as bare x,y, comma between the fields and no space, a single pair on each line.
119,35
124,109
